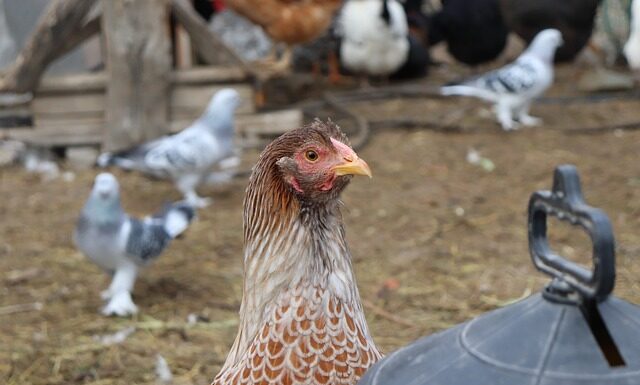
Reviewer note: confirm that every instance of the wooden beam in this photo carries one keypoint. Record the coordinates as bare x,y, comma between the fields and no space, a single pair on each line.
206,43
96,81
208,75
62,27
73,84
138,68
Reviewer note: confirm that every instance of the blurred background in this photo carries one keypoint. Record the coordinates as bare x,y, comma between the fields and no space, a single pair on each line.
438,236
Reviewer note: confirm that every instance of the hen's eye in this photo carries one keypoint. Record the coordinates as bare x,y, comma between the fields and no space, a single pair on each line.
311,155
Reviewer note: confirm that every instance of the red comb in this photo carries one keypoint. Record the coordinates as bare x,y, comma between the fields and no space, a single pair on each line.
218,5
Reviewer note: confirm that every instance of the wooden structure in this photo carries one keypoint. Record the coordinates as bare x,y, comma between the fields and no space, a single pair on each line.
70,110
138,97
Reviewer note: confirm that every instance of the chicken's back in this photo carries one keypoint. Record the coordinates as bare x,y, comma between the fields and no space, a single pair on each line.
289,21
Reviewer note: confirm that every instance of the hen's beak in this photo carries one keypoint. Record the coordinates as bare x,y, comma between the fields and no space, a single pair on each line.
351,164
353,167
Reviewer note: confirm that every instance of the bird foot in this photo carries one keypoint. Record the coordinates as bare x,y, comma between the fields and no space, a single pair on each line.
510,125
528,120
120,305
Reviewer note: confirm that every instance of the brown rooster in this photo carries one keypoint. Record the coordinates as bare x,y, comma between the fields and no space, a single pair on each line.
301,319
288,21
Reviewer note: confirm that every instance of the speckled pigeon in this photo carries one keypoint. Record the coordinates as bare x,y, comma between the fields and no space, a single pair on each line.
188,156
121,244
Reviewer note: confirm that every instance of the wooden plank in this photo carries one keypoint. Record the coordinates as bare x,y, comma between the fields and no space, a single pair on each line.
76,83
264,124
208,74
95,82
70,130
52,140
190,100
187,103
271,123
69,125
68,103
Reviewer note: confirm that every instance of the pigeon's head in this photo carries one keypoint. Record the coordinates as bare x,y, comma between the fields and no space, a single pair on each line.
106,188
546,42
218,116
550,36
225,100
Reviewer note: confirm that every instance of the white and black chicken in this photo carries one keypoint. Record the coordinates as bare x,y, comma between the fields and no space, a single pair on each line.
374,37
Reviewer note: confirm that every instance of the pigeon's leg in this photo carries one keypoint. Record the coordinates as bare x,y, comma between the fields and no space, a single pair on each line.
123,280
523,116
187,185
505,116
120,302
120,305
218,177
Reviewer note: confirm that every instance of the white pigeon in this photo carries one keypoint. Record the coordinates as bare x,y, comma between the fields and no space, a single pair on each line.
120,244
373,36
512,88
189,156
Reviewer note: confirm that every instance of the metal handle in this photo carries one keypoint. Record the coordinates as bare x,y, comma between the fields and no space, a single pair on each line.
566,203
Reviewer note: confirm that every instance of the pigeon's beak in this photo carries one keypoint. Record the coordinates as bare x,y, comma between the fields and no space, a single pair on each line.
351,164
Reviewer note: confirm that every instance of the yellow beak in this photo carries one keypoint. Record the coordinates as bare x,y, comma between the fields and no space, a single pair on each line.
355,166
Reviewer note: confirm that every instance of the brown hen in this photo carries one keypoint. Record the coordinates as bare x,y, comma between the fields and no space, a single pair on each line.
288,21
301,319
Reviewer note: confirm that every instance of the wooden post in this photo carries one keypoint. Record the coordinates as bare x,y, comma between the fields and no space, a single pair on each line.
184,54
63,26
138,68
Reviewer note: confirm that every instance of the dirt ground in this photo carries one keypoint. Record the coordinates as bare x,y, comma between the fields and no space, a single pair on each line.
436,241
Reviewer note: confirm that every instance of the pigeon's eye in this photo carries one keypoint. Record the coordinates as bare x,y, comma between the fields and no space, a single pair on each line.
311,155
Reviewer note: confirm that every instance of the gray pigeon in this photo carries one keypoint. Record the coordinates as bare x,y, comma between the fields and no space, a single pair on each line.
120,244
188,156
512,88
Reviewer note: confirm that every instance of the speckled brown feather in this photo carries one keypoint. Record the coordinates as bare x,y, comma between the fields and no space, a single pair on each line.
289,21
301,320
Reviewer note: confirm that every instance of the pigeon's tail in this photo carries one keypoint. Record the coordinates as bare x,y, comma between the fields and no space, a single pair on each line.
464,90
177,218
127,160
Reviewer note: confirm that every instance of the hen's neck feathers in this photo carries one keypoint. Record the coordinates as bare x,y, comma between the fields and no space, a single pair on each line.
288,244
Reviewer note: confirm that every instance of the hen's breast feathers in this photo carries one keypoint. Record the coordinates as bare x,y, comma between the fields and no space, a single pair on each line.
310,336
289,21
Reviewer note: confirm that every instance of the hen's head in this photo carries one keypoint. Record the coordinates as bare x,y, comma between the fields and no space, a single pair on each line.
314,162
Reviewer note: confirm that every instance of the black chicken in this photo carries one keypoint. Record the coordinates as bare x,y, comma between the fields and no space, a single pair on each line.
473,29
574,18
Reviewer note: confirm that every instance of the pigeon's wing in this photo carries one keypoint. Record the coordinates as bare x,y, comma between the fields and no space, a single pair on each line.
517,78
188,151
133,158
146,241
